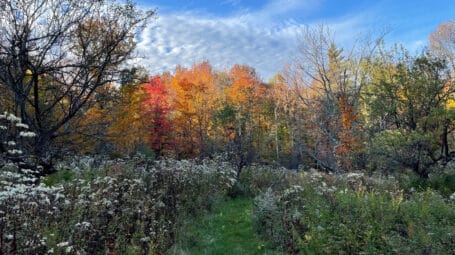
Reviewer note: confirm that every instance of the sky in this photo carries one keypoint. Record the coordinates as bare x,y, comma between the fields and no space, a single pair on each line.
265,34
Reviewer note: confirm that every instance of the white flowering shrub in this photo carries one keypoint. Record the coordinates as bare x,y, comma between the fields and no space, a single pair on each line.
23,202
14,139
256,179
267,218
24,214
118,207
354,214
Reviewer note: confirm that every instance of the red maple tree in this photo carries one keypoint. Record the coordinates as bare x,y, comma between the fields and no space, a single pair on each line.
156,108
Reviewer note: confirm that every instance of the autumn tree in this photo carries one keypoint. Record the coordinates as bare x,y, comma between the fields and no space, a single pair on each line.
155,112
329,82
56,54
244,97
284,125
90,129
194,97
127,132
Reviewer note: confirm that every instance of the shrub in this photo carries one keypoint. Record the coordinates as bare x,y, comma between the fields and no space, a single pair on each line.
441,179
355,214
392,151
256,179
124,207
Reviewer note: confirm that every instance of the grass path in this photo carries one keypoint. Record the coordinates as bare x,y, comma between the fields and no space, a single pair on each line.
227,230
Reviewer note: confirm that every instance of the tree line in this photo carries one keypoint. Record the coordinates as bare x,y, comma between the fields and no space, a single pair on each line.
368,107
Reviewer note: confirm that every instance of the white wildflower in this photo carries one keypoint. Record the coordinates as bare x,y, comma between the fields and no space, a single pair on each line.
21,125
107,202
13,118
354,175
452,197
27,134
63,244
83,224
296,215
331,189
160,204
11,143
15,152
27,179
145,239
293,189
59,195
297,187
27,171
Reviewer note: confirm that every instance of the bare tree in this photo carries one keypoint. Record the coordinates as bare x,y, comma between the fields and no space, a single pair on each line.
56,54
329,82
442,42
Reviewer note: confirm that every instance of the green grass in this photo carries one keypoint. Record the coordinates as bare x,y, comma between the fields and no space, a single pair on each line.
227,230
59,177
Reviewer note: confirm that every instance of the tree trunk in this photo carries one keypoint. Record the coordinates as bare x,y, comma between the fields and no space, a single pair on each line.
444,142
44,154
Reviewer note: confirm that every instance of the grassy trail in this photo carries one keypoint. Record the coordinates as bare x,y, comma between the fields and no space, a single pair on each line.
227,230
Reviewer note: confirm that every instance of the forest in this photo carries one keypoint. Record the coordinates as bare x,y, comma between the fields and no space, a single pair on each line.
343,151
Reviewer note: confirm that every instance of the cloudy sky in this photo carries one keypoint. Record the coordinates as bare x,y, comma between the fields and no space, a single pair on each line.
264,34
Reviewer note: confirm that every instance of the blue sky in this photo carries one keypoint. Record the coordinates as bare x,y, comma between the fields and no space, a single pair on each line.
264,34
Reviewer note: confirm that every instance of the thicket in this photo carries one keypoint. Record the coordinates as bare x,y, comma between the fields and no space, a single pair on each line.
139,205
372,107
319,213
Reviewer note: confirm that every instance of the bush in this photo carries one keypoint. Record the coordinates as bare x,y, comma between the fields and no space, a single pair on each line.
124,207
355,214
392,151
266,218
442,180
257,179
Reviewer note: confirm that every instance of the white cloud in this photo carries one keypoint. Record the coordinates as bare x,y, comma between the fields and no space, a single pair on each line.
253,38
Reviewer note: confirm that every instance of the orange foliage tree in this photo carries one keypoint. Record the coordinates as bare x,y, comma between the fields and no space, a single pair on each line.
247,96
194,99
128,130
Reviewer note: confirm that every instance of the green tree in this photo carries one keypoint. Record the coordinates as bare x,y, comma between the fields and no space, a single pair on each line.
411,96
